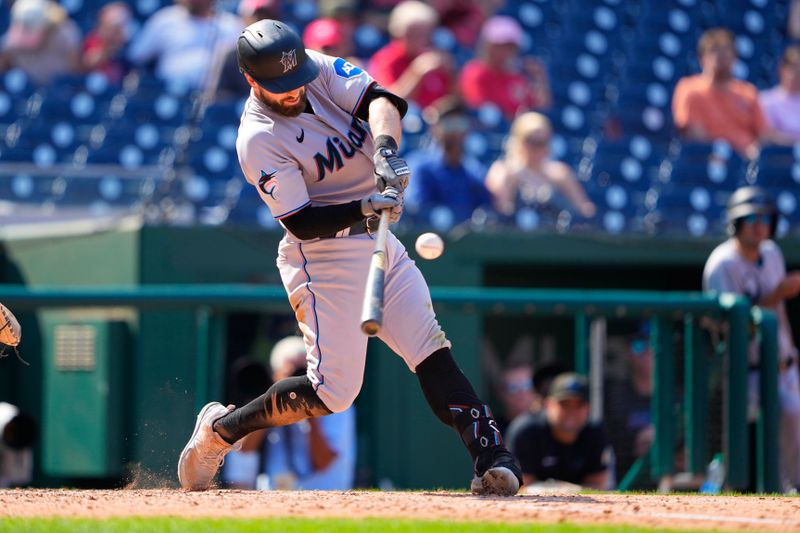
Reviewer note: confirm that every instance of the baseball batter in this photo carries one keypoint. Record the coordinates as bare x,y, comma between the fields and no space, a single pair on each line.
751,264
318,140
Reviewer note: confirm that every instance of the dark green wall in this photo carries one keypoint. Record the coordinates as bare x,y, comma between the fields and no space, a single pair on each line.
399,438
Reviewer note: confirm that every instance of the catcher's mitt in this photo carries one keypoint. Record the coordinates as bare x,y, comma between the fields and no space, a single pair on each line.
10,332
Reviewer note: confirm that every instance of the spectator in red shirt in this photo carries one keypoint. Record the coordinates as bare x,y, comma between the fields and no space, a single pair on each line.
103,47
497,75
327,35
408,66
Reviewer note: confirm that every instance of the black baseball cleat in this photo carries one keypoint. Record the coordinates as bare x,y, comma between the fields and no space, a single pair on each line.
496,473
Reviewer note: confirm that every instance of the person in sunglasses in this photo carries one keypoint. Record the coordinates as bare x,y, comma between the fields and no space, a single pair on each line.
527,174
751,264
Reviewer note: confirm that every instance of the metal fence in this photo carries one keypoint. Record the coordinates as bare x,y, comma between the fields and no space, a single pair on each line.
588,309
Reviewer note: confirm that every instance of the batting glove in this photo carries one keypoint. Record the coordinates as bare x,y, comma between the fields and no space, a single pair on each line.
10,332
390,170
372,205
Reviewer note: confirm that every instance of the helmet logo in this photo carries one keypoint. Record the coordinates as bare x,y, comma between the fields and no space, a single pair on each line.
289,60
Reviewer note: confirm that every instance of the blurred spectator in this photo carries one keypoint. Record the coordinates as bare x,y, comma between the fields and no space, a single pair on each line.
463,18
517,393
247,378
225,81
183,39
500,77
793,28
560,443
313,454
17,435
627,400
527,176
103,48
408,66
543,376
444,175
714,105
42,41
347,15
316,454
749,263
326,35
781,104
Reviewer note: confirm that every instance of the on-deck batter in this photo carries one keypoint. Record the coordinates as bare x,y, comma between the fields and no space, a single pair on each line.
318,140
751,264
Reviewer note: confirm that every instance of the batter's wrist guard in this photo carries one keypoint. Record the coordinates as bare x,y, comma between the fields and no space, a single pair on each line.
385,141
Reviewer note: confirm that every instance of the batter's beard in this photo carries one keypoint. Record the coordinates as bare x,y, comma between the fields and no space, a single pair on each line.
287,111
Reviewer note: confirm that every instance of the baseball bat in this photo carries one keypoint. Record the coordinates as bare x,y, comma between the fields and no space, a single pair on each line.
372,309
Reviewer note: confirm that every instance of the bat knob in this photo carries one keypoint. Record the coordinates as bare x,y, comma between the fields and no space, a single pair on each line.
370,327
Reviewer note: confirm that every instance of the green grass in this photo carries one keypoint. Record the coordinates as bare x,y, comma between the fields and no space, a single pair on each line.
293,525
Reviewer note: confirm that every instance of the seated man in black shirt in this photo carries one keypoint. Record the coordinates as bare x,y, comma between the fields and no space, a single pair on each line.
560,443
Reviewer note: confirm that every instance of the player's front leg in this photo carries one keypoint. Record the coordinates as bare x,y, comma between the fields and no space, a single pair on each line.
455,403
219,429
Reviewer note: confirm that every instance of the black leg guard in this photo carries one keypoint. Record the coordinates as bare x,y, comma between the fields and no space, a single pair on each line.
286,402
453,400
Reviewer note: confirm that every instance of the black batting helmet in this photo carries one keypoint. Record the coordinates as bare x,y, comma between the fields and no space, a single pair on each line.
273,55
750,201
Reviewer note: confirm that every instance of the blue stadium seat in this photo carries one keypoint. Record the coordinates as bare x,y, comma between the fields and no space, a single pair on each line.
779,166
80,107
715,165
16,82
163,109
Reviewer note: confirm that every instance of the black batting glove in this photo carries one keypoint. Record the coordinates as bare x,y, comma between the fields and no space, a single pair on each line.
390,170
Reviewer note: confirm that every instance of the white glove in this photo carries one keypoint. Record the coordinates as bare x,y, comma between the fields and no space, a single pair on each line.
10,332
373,204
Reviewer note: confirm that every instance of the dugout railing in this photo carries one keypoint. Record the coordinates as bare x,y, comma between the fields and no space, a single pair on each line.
588,309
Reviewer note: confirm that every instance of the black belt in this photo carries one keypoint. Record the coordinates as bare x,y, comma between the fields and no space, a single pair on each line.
354,229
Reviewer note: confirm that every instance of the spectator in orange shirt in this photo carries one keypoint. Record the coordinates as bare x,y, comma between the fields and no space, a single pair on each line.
408,66
498,76
714,105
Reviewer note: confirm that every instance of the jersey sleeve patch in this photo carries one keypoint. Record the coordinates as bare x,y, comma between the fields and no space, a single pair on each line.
268,184
345,69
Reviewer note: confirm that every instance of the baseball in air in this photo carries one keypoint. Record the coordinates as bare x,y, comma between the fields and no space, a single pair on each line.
429,246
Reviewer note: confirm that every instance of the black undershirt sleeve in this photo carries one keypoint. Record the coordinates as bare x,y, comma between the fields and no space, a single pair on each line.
312,222
376,91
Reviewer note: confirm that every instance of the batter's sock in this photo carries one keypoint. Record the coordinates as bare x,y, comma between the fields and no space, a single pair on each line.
455,403
286,402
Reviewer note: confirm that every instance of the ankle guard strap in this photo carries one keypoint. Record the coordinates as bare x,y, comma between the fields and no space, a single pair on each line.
477,427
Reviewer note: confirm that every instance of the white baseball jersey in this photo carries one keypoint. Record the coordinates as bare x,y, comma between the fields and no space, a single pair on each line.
317,159
320,159
727,271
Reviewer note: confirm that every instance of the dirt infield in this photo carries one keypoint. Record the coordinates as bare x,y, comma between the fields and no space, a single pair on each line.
752,513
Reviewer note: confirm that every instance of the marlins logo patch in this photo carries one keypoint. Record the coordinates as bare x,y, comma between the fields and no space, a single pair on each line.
268,183
289,60
345,69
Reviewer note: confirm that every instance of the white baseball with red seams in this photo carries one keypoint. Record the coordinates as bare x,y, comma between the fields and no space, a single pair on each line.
429,246
324,158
